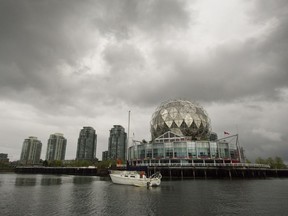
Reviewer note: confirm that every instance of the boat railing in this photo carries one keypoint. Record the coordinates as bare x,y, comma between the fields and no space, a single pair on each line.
156,175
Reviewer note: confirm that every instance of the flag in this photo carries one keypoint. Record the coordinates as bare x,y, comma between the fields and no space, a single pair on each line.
226,133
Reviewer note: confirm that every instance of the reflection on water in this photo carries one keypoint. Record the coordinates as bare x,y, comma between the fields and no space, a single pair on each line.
33,181
51,181
82,195
82,179
20,181
90,195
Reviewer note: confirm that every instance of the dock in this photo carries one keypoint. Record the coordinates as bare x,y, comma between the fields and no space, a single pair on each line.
225,171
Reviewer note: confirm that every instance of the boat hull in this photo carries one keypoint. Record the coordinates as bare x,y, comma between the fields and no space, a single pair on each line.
135,179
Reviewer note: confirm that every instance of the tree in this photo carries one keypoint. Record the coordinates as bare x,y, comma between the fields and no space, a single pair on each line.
45,163
247,161
55,163
106,164
270,161
276,163
279,164
259,160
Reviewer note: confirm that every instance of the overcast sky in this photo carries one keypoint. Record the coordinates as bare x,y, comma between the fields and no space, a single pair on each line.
68,64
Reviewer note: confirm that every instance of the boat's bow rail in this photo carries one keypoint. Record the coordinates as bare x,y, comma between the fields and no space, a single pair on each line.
156,175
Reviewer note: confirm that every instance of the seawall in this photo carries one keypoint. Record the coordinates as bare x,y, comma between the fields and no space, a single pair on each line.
63,170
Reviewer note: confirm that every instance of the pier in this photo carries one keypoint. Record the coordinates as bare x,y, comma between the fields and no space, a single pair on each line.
218,171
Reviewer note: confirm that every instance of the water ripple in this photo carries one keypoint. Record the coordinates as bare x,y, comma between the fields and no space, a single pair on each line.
80,195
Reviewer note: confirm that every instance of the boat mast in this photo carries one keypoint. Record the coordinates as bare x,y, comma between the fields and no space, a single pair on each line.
128,135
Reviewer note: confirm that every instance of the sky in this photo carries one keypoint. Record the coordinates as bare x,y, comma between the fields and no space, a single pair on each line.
69,64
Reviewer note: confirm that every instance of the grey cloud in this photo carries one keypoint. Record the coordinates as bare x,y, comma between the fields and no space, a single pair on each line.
259,125
37,38
42,43
256,146
265,10
250,69
119,18
254,68
123,58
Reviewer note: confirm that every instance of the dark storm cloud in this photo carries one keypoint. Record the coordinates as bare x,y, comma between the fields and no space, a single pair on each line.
34,41
38,38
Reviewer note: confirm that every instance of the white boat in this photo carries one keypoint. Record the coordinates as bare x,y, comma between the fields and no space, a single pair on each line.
135,178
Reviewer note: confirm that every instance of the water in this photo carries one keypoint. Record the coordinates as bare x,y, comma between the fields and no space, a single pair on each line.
85,195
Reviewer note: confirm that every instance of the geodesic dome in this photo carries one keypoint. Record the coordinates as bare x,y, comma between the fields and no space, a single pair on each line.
181,117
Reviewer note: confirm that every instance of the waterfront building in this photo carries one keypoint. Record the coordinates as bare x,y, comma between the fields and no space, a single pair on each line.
56,147
181,134
117,143
31,151
104,155
87,142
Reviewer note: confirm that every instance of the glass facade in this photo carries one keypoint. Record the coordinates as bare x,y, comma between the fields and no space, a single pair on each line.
180,149
181,134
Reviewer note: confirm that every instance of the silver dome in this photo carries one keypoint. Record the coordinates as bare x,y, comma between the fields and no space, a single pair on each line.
181,117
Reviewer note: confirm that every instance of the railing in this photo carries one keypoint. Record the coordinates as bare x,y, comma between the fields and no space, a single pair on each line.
240,165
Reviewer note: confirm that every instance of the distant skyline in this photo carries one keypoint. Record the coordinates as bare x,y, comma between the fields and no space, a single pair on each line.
69,64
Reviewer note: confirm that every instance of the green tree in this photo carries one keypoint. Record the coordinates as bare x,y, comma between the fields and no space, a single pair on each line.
247,161
45,163
279,164
55,163
276,163
270,161
259,160
106,164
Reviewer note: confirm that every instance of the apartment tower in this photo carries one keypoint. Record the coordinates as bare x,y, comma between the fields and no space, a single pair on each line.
31,151
86,146
56,147
117,143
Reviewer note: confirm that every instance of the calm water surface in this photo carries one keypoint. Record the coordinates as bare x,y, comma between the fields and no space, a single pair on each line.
83,195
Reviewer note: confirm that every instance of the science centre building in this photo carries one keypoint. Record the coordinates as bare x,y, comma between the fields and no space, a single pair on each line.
181,134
